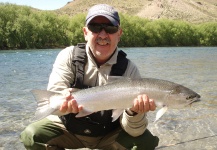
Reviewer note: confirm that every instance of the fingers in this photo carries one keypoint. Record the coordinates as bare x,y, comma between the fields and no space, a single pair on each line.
80,108
152,104
69,105
67,93
143,104
72,106
63,107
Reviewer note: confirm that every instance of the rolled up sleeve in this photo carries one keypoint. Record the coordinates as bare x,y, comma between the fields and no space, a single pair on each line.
134,125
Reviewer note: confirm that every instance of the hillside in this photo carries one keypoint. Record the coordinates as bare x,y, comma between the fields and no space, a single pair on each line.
195,11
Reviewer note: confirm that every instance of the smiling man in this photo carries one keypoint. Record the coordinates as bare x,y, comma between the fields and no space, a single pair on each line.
88,65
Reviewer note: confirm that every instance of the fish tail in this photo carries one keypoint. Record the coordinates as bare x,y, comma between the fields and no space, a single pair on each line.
42,98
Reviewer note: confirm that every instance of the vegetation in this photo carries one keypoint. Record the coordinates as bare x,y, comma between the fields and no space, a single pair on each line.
22,27
194,11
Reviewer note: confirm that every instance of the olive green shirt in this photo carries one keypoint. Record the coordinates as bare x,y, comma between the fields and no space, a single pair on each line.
63,74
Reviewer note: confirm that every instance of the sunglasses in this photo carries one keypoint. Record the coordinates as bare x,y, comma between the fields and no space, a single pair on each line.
97,28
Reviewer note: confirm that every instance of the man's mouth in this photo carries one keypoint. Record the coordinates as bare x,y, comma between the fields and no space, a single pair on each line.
103,42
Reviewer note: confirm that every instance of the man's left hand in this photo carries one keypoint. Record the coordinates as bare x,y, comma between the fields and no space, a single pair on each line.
142,104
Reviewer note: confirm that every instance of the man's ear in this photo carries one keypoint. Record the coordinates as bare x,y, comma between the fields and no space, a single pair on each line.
120,31
85,33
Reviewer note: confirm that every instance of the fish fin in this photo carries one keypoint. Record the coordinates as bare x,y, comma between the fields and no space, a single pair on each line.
102,112
42,98
112,79
42,95
83,113
116,114
43,113
160,113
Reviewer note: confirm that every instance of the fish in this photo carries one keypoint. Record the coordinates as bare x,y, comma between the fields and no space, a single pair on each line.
117,96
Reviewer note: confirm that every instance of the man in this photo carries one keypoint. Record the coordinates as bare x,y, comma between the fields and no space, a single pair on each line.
102,33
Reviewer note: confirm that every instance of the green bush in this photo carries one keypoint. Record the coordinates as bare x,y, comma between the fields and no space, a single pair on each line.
22,27
208,34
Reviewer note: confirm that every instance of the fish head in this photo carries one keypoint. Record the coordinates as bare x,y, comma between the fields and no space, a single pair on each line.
181,96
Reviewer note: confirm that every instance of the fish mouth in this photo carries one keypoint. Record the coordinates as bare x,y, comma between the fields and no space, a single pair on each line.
193,98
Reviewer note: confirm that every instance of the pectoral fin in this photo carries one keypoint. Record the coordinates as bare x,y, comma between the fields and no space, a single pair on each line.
42,113
160,113
83,113
116,114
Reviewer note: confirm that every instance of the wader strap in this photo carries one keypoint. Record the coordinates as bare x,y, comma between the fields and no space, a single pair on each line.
79,61
120,67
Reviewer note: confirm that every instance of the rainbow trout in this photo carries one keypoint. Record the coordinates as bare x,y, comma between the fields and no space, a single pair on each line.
118,95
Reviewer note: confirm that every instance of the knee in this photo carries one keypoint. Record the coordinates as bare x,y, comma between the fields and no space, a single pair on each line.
144,141
147,140
28,136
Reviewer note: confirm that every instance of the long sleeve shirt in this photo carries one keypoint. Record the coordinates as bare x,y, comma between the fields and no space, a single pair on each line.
63,74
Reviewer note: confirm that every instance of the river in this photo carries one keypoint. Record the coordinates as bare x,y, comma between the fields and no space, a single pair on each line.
183,129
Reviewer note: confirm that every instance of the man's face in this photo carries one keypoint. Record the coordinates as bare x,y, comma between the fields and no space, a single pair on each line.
102,44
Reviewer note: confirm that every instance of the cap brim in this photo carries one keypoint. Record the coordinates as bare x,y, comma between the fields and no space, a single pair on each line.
111,19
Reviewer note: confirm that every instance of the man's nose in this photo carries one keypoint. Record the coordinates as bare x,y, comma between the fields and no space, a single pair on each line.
103,34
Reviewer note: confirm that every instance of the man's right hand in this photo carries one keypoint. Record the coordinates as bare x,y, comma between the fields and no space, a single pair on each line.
70,104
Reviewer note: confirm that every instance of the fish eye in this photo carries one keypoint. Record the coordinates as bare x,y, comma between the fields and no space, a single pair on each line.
191,97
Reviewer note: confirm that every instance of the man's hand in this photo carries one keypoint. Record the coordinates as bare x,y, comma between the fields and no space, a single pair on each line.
142,104
70,105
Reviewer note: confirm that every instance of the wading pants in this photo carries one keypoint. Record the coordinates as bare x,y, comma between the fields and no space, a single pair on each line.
51,134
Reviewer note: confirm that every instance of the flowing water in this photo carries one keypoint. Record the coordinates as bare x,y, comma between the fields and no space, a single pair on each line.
183,129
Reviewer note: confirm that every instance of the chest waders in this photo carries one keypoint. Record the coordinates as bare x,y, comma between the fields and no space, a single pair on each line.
95,124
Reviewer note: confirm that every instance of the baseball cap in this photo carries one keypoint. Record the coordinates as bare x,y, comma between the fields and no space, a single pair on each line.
103,10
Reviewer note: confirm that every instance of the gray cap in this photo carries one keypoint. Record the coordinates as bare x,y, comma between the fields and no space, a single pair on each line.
103,10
